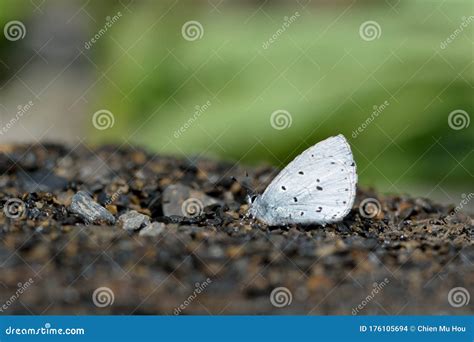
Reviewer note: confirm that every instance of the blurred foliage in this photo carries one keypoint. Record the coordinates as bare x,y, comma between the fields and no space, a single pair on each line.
319,70
9,10
12,10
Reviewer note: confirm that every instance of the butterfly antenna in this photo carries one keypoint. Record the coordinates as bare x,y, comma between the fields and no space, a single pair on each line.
248,189
250,193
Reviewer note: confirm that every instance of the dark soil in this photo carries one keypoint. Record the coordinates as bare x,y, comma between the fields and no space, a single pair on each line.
416,249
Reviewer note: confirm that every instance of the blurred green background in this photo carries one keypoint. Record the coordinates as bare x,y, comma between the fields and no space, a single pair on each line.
319,69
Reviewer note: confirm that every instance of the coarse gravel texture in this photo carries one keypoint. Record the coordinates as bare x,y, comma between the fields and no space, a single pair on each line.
194,250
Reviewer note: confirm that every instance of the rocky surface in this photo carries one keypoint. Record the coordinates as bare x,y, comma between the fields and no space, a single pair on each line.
85,207
133,220
188,244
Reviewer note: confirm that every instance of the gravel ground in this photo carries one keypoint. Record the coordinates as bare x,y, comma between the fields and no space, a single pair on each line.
101,231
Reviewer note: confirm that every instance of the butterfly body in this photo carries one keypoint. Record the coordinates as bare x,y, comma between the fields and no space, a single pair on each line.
317,187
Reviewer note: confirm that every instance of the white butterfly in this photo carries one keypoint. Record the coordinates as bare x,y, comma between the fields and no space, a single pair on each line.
318,186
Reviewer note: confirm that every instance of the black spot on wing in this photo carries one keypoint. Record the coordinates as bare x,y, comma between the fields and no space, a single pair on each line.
319,188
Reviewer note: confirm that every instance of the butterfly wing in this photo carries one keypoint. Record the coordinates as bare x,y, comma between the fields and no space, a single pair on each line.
318,186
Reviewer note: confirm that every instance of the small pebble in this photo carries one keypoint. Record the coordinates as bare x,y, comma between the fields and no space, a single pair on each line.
90,211
133,220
